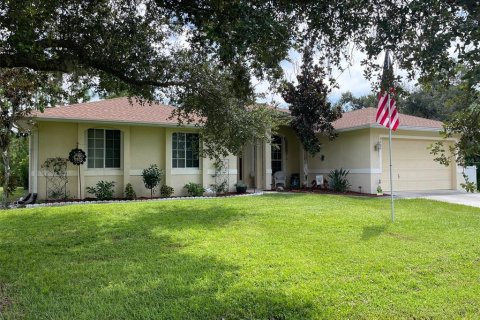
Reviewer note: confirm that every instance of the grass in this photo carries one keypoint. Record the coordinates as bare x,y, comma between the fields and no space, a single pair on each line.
268,257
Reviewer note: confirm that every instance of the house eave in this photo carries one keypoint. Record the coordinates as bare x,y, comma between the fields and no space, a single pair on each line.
113,122
400,128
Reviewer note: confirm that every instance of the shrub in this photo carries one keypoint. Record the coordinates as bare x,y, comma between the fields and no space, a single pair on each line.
129,192
338,180
166,191
194,189
222,187
152,177
103,190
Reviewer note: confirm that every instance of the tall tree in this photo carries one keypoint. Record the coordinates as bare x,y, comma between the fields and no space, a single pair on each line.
311,112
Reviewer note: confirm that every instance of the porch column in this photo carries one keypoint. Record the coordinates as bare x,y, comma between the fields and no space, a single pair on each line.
81,145
168,156
259,165
267,165
126,157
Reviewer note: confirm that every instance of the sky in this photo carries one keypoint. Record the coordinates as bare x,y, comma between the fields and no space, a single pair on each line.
351,79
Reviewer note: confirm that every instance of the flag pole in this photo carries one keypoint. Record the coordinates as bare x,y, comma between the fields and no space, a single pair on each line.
390,154
390,145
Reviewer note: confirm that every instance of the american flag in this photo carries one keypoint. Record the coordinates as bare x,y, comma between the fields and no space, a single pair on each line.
387,117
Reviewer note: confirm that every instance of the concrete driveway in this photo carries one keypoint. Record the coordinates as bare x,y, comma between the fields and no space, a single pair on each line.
450,196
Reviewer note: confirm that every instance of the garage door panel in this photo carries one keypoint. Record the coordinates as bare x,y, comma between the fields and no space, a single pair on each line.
414,167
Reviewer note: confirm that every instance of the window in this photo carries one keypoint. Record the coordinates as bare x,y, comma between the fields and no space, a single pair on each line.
185,150
276,154
103,148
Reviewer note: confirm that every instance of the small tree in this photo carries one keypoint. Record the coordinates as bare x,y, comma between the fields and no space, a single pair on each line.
152,177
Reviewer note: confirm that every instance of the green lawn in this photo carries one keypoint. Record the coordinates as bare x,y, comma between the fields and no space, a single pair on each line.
268,257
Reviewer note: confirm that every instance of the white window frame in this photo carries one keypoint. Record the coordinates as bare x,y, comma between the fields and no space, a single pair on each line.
175,149
104,149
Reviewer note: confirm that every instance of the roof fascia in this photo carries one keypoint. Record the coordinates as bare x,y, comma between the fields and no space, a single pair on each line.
151,124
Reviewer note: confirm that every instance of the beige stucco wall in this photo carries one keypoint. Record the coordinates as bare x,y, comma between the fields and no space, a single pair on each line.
141,147
350,151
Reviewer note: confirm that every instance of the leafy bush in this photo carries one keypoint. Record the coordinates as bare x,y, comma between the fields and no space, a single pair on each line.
152,177
194,189
166,191
338,180
103,190
129,192
222,187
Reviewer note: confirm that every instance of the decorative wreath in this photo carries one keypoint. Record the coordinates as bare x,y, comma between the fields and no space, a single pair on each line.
77,156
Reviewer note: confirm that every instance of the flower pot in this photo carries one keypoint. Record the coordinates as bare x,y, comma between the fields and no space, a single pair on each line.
241,189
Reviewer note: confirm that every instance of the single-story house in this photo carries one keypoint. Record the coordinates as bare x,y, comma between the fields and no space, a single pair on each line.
121,139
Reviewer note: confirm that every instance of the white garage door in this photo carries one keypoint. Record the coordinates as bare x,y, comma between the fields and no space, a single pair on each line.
414,167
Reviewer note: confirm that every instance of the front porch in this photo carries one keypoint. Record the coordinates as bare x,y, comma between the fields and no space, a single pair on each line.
259,161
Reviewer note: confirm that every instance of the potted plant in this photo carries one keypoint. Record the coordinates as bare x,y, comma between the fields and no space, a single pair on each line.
241,187
379,191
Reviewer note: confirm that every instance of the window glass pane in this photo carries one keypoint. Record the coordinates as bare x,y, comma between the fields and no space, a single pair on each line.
91,163
98,143
109,153
91,133
99,133
196,164
174,163
116,154
116,163
109,134
108,163
189,163
98,163
181,163
99,153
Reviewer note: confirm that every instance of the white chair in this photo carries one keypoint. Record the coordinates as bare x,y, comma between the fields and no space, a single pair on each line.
319,180
279,177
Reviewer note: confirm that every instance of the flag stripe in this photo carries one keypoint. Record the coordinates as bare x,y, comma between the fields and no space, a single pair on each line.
383,116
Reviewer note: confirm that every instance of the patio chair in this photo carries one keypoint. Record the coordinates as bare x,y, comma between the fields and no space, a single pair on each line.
319,180
279,178
31,198
23,199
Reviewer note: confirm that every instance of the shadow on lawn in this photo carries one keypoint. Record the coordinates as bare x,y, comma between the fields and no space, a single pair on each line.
370,232
78,264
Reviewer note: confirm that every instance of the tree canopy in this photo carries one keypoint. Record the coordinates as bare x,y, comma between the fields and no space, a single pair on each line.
158,49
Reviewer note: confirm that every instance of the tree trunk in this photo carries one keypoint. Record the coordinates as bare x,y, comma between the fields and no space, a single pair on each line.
6,182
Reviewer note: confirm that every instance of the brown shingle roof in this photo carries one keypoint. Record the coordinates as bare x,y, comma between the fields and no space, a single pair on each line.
112,110
120,110
366,117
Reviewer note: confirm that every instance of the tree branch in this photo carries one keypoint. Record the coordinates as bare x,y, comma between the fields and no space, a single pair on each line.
68,64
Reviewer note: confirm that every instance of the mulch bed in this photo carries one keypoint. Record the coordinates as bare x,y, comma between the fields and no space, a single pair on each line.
227,194
323,191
